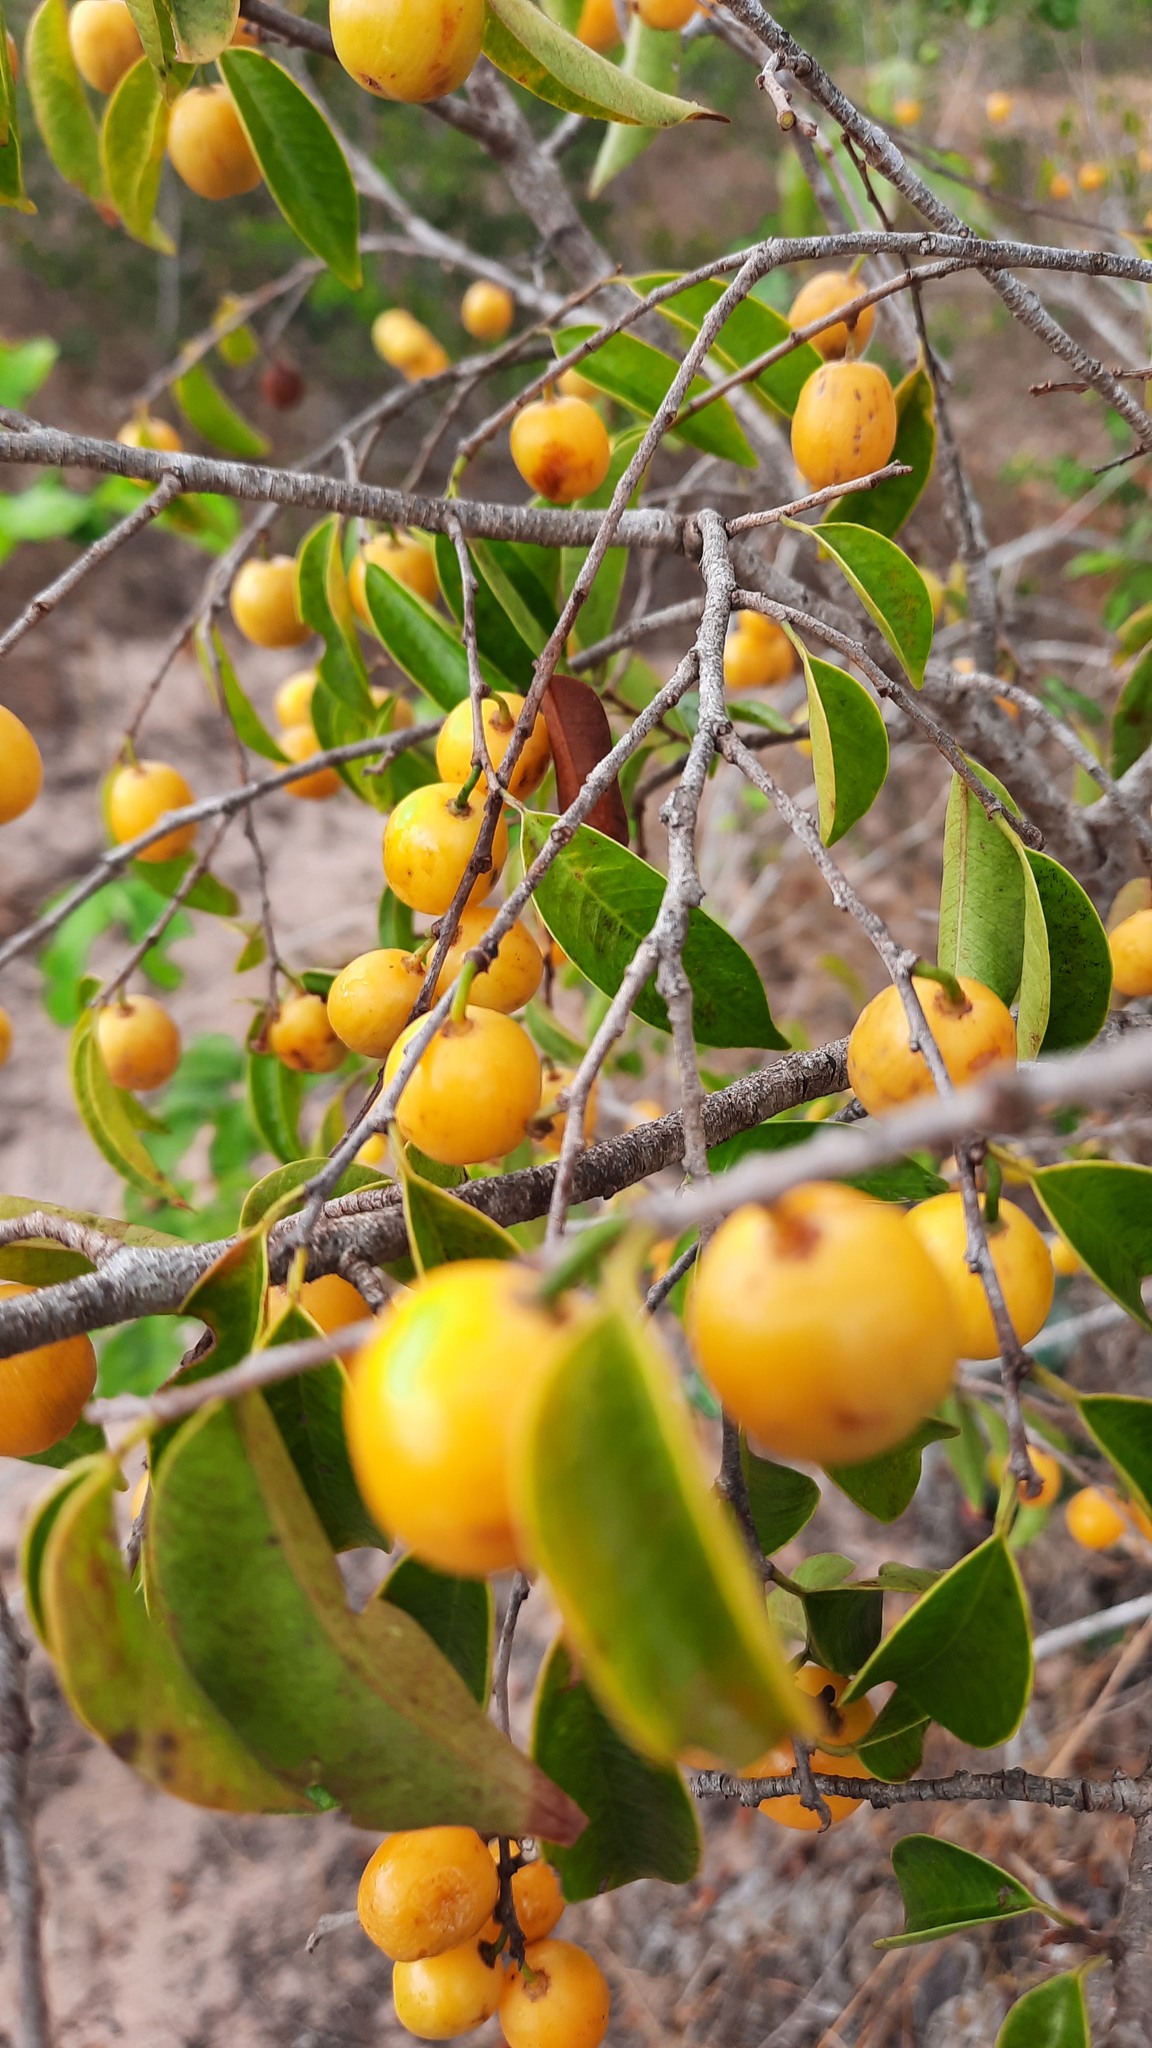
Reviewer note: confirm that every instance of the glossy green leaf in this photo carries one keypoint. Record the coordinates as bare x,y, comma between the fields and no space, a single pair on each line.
844,1625
25,366
981,897
1079,961
1132,718
1104,1209
229,1298
886,506
893,1748
750,331
308,1410
303,164
496,635
889,586
426,646
157,33
12,192
782,1501
38,1527
204,27
849,745
215,418
284,1183
521,41
820,1569
110,1115
246,721
207,894
642,1822
904,1180
275,1093
133,135
884,1486
597,615
59,102
653,56
1122,1426
458,1614
654,1590
441,1227
1051,2015
946,1889
640,376
600,900
524,578
325,605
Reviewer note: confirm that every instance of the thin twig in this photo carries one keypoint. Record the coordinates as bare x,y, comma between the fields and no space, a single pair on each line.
17,1846
46,600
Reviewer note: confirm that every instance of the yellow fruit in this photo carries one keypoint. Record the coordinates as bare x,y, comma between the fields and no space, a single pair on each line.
936,593
149,431
645,1110
1094,1519
138,797
823,294
908,113
1131,946
561,448
1049,1471
5,1036
1092,177
753,660
665,13
208,146
599,29
843,1726
1059,186
371,999
404,342
431,1409
573,385
104,42
884,1071
487,310
42,1391
473,1091
265,604
405,558
844,425
1019,1255
538,1899
1065,1261
563,2000
412,50
21,769
515,974
823,1325
428,842
301,1036
299,742
447,1995
426,1890
551,1124
293,700
999,107
498,716
139,1043
331,1301
373,1150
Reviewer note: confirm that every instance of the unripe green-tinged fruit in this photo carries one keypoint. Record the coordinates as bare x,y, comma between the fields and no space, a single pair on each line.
473,1091
300,743
293,700
42,1391
301,1036
561,448
885,1072
371,999
265,604
412,50
139,1043
207,145
844,425
823,1325
1131,948
148,430
447,1995
405,558
1021,1259
561,2001
404,342
21,769
104,42
499,716
842,1726
426,1890
515,974
487,310
428,843
139,795
822,295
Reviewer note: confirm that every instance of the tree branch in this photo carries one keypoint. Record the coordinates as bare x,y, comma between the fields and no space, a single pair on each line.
21,1872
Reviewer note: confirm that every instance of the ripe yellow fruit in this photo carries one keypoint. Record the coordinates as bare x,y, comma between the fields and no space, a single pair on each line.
884,1071
293,700
301,1036
405,558
371,999
999,107
139,1043
843,1726
331,1301
756,660
665,13
599,27
551,1124
1094,1518
412,50
208,146
21,769
42,1391
573,385
1066,1262
300,743
822,295
487,310
844,425
562,2002
447,1995
265,604
1092,177
472,1092
498,716
1049,1471
5,1036
104,42
404,342
426,1890
432,1405
148,430
1131,947
823,1325
515,974
139,795
561,448
1021,1259
373,1151
538,1899
428,842
908,113
1059,186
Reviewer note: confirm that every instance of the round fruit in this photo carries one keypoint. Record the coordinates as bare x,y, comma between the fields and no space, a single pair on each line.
550,1126
331,1301
573,385
301,1036
1092,177
431,1407
884,1071
563,2003
561,448
844,1725
138,797
447,1995
300,743
1094,1519
473,1091
426,1890
1066,1262
1131,944
293,700
1049,1471
428,842
538,1899
998,107
265,604
404,342
104,42
844,425
149,431
599,26
405,558
487,310
373,1151
1021,1259
5,1036
21,769
1060,186
823,1325
908,113
139,1043
823,294
756,660
207,144
281,385
42,1391
412,50
371,999
665,13
498,715
515,974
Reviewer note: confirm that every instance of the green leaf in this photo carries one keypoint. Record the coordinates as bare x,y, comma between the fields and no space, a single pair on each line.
247,723
285,1181
964,1652
655,1593
1136,631
424,645
597,615
325,605
844,1625
12,191
25,366
524,578
59,102
640,376
1132,718
749,332
600,900
164,877
37,1529
904,1180
1051,2015
889,586
550,1036
1122,1426
946,1889
651,55
133,135
522,42
82,1440
884,1486
308,1411
157,32
110,1115
1079,958
1104,1209
641,1820
215,418
303,164
204,27
886,506
458,1614
849,745
894,1745
441,1227
981,897
496,636
826,1568
274,1096
782,1501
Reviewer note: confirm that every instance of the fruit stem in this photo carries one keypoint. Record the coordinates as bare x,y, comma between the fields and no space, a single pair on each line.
460,800
1053,1384
1007,1504
927,970
468,975
994,1181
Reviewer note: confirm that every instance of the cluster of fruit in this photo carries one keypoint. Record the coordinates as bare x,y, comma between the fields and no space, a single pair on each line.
845,422
600,28
429,1899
